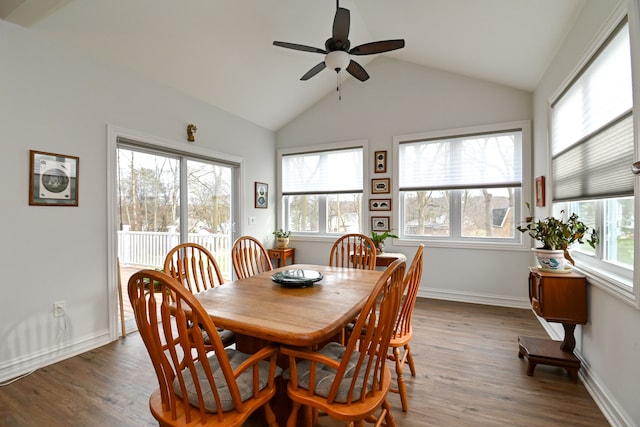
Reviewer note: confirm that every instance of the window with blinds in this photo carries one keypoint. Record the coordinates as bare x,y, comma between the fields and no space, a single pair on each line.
592,146
465,185
322,190
592,127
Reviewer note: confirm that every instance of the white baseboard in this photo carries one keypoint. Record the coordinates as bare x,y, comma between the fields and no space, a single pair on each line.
610,408
612,411
473,298
15,368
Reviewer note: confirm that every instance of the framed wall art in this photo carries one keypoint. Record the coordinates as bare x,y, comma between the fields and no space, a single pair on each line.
379,223
262,195
540,191
380,165
53,179
379,204
380,185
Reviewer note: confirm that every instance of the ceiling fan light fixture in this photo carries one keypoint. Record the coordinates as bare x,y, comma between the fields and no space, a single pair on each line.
337,60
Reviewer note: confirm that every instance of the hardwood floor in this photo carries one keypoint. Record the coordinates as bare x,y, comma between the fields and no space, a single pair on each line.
468,374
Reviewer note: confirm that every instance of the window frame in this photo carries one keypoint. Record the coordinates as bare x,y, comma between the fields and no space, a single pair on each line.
526,190
612,280
322,200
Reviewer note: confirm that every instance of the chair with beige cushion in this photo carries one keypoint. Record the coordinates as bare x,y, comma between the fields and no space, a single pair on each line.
350,382
249,257
403,332
199,385
196,268
353,250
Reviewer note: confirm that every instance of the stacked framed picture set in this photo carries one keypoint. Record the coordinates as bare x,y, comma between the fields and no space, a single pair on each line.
380,201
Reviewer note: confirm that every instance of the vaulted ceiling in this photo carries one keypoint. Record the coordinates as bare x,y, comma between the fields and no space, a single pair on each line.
221,51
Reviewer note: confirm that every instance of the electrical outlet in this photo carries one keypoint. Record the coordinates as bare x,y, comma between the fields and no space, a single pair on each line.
59,309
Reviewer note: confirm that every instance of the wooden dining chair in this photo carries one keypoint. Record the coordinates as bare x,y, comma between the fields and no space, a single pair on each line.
403,332
199,385
249,257
350,382
353,250
196,268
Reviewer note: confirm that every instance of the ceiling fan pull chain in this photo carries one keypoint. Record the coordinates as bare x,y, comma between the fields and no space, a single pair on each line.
339,86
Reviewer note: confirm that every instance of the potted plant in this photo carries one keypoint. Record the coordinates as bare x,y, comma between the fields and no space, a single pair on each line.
282,238
556,236
379,238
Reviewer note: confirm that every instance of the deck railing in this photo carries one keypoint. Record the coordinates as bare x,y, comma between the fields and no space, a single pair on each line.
148,249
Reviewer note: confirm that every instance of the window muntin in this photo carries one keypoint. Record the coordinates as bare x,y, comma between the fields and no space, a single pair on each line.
593,147
462,187
322,191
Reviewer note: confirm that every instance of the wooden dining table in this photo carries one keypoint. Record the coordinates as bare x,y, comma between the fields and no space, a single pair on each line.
258,309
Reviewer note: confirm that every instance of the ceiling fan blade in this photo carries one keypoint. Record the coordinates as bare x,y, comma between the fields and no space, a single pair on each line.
301,47
312,72
357,71
377,47
341,23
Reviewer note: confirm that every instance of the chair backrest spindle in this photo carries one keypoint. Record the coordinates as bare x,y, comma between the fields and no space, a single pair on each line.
197,381
353,250
249,257
194,266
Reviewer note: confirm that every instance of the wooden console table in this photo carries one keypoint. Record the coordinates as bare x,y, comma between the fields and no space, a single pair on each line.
282,254
384,259
556,297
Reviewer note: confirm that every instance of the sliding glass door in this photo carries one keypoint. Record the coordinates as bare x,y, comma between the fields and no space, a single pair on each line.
165,199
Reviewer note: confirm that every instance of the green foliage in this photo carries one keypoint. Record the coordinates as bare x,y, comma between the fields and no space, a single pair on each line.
559,234
281,233
379,238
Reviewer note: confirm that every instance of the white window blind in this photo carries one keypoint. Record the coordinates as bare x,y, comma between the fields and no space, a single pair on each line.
592,127
463,162
321,172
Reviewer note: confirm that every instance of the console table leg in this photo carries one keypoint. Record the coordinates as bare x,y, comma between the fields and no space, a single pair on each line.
569,342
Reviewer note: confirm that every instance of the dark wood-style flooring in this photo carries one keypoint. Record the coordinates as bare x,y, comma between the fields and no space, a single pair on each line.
469,374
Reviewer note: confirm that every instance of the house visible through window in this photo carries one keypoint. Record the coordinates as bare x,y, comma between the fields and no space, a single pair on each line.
592,145
462,185
322,190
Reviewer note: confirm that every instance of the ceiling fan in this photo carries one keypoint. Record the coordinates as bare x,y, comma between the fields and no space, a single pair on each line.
337,52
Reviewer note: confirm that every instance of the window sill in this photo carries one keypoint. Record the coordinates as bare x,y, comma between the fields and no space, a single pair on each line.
450,244
616,286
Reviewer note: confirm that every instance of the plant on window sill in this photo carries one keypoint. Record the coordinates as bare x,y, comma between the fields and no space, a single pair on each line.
559,234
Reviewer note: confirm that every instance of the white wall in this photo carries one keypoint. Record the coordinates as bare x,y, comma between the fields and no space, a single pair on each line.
53,99
401,98
610,343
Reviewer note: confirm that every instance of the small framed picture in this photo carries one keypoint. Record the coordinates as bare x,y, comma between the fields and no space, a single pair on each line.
262,195
380,223
380,164
53,179
379,204
540,191
380,185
